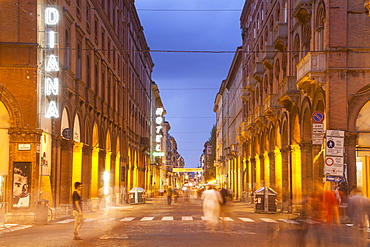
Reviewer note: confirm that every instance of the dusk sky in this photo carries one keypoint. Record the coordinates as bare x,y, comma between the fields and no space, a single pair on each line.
192,45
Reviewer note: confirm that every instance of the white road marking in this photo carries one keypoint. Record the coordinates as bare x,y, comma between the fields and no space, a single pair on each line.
290,221
268,220
167,218
127,219
247,219
66,221
187,218
226,219
106,220
147,218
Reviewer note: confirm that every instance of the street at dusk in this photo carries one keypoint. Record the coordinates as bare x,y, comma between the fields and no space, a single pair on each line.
181,224
185,123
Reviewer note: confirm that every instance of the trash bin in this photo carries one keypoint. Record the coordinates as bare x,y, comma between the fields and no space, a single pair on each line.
41,211
137,195
266,200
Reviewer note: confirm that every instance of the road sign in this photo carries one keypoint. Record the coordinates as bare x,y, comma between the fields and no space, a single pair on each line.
334,146
333,166
317,133
317,117
334,179
317,128
337,133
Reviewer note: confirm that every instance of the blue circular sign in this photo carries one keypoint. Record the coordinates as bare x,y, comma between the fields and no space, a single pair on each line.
330,144
317,117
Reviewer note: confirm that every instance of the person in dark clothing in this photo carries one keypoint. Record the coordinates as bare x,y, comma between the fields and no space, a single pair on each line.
77,210
224,207
225,195
169,195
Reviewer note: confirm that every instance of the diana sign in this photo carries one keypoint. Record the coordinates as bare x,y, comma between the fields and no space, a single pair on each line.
51,63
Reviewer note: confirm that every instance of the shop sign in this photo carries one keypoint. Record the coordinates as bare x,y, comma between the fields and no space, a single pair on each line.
24,147
51,63
158,134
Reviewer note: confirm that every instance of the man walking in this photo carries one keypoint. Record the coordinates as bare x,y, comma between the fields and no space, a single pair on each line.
77,210
169,195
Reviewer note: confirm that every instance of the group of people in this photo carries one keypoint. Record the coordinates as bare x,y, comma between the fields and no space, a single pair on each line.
323,205
326,206
214,205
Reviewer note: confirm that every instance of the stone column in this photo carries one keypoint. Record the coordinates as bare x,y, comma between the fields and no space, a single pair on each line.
307,169
350,158
271,157
286,177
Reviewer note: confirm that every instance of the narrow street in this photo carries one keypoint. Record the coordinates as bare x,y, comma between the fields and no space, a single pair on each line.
182,224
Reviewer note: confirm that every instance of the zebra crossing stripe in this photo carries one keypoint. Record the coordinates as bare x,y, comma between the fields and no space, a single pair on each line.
147,218
127,219
290,221
246,219
167,218
269,220
226,219
66,221
309,221
187,218
20,227
107,220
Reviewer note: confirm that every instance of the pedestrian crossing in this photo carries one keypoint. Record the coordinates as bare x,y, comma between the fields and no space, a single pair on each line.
13,227
193,218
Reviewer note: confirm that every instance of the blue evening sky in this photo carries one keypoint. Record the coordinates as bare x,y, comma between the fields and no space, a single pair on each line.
188,80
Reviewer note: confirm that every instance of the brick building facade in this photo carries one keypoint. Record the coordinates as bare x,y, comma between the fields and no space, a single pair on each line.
303,59
75,101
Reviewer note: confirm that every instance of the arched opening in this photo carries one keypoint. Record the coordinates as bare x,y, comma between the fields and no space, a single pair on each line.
296,172
363,150
95,163
77,153
4,148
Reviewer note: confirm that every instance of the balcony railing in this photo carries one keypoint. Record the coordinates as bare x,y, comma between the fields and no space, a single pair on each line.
250,83
268,56
271,105
311,67
281,36
302,9
245,94
258,71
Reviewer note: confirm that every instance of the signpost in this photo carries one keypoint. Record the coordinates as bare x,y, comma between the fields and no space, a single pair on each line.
317,127
333,166
334,155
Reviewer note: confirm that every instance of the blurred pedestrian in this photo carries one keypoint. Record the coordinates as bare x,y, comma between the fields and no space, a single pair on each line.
358,205
169,195
212,200
224,206
175,195
124,194
77,210
330,206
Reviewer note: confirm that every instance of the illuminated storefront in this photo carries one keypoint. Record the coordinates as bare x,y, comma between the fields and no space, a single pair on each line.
69,108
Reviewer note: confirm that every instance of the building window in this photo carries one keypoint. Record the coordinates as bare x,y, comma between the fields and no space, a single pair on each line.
79,62
67,50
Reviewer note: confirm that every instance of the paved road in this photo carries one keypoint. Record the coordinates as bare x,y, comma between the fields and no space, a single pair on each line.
158,224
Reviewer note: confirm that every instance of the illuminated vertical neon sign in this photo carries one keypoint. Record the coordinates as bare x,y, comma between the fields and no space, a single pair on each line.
51,63
158,135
